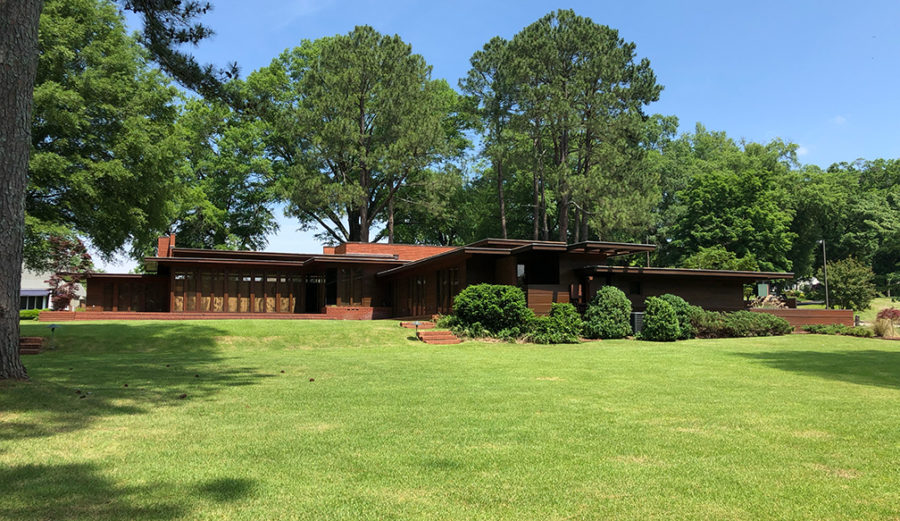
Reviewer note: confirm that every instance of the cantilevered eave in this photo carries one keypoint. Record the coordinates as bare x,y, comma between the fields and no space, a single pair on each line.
687,272
610,249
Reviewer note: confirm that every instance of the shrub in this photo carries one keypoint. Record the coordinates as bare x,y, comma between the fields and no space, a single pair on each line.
446,321
746,324
849,284
683,311
839,329
708,324
493,307
29,314
660,321
562,326
608,314
886,320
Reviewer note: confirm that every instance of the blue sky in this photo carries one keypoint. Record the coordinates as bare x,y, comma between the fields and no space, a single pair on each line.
824,75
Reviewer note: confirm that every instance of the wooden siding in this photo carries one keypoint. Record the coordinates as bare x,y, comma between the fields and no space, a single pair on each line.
805,317
540,297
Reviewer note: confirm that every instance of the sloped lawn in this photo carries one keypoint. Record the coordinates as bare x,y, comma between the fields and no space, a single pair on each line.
798,427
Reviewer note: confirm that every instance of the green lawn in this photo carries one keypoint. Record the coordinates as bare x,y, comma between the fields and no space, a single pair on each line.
877,305
798,427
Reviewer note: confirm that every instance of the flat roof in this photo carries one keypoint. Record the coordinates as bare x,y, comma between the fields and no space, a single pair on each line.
687,272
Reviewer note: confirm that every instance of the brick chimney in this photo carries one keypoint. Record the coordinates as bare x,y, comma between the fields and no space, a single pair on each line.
164,245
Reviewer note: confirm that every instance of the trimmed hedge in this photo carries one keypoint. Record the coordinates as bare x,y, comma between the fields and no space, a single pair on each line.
29,314
839,329
660,321
492,309
712,324
608,314
562,326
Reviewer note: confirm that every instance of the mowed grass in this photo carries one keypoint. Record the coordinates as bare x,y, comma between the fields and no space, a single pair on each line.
797,427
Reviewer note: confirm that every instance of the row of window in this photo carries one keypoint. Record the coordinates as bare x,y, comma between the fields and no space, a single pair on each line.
31,302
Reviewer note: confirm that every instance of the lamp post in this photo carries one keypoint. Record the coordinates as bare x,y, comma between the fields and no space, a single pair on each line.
825,273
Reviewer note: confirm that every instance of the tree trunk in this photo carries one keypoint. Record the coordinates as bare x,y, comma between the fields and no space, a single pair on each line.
353,225
18,65
499,170
584,226
391,220
535,206
575,216
564,216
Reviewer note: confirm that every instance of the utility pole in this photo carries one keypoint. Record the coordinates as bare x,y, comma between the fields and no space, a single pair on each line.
825,272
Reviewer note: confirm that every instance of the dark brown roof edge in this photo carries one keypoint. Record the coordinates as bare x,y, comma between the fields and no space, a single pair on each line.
634,270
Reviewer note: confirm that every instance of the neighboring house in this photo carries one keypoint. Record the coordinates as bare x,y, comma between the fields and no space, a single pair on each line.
374,280
35,291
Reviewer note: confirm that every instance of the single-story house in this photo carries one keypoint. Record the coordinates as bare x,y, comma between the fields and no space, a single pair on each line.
35,293
375,280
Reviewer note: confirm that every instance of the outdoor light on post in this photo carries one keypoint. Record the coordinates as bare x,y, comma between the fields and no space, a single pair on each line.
825,273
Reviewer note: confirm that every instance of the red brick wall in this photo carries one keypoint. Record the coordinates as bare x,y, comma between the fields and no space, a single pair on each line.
409,252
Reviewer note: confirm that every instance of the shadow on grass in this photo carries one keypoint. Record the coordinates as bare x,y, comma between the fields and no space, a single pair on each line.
75,492
870,367
225,490
98,370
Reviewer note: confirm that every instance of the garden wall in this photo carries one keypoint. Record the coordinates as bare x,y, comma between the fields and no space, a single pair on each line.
805,317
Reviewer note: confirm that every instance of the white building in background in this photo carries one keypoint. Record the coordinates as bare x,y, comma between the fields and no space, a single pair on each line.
35,291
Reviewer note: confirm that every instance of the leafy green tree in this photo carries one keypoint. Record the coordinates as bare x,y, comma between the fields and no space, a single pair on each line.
736,199
167,25
718,258
225,194
561,103
849,284
104,156
349,120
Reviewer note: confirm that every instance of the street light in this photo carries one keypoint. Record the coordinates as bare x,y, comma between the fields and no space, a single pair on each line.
825,271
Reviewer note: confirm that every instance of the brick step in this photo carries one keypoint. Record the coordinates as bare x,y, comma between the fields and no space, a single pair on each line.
422,325
443,341
29,351
435,334
438,337
31,345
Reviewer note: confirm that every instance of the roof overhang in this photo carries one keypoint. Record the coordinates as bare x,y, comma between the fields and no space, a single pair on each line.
748,276
610,249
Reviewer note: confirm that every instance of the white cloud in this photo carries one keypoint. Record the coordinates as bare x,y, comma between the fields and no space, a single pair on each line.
802,151
839,120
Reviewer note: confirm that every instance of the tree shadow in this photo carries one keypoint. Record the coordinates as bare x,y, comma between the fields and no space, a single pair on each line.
75,492
869,367
104,369
225,490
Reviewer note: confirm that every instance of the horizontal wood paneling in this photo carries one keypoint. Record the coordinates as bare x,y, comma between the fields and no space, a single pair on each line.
805,317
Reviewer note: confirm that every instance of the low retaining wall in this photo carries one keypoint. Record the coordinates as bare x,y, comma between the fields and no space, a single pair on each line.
331,313
805,317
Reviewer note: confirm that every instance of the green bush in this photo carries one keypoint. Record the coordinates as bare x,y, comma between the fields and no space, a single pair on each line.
660,321
711,324
493,308
29,314
608,314
707,324
747,324
839,329
562,326
683,311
